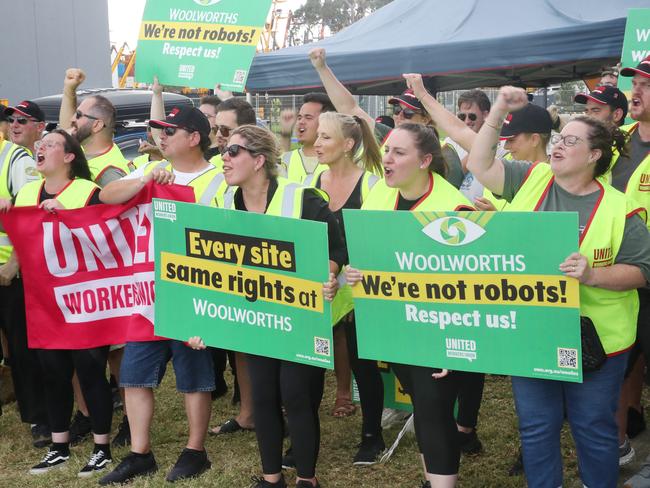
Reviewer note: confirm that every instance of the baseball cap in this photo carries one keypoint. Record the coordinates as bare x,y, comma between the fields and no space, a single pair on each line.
530,119
26,108
643,69
409,99
185,117
605,95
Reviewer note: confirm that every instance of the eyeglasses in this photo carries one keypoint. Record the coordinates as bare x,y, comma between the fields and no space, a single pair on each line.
46,144
79,115
568,140
225,131
469,116
20,120
406,112
233,150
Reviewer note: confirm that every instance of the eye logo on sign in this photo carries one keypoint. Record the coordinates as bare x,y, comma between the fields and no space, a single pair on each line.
453,231
206,3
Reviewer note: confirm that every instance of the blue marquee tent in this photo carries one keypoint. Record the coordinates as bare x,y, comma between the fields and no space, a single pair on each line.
458,44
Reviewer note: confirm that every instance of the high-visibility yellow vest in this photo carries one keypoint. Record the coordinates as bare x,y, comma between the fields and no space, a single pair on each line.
74,195
500,203
113,158
296,171
614,313
140,161
209,187
217,162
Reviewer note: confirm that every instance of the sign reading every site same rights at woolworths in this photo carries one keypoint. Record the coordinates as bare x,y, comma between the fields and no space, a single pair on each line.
199,43
243,281
470,291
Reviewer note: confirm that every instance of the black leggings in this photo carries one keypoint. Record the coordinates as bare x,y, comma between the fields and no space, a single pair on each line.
300,389
90,364
368,378
433,409
470,394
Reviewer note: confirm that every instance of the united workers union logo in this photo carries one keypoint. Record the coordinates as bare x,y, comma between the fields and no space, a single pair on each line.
206,3
453,231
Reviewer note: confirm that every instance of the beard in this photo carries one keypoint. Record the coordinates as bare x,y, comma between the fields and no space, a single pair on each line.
82,133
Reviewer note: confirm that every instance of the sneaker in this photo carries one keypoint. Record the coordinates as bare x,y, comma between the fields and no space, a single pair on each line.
369,451
517,467
259,482
307,484
642,478
132,466
635,422
390,417
123,436
41,435
53,459
97,462
80,428
190,464
288,462
470,444
625,452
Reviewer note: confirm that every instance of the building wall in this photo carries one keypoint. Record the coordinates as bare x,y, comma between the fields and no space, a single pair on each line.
42,38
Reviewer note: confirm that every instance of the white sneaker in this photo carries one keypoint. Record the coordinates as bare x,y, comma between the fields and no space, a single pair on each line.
625,453
97,462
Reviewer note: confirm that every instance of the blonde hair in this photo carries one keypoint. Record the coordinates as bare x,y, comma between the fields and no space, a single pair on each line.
365,150
261,141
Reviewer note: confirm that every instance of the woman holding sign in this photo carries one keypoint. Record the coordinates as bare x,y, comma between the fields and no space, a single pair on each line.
250,163
608,221
414,170
67,185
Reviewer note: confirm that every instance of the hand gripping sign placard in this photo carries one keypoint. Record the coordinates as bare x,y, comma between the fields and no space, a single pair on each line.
472,291
199,43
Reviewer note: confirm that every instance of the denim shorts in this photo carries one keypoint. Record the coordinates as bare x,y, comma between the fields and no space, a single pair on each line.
144,364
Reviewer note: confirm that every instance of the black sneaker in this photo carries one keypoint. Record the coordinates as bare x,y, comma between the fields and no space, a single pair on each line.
288,462
470,444
123,436
190,464
369,450
41,435
97,462
426,484
132,466
635,422
53,459
259,482
307,484
80,428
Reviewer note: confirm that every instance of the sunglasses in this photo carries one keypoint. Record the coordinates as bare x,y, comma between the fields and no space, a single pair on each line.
170,131
225,131
406,112
79,115
234,149
470,116
20,120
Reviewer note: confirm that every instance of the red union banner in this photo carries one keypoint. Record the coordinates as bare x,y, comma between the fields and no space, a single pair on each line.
89,273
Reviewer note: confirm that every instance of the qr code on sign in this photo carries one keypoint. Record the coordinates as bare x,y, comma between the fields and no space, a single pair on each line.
567,358
240,76
322,346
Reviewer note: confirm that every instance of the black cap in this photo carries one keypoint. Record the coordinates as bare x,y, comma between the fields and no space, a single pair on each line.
26,108
532,119
605,95
184,117
643,69
408,99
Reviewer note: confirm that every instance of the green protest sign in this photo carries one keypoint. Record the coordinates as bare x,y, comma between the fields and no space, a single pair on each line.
199,43
394,395
636,46
472,291
243,281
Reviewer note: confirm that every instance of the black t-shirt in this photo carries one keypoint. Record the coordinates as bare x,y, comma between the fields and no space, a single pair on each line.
404,204
354,202
211,152
313,208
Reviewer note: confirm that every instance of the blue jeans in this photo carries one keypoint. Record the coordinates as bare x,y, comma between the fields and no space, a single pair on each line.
590,409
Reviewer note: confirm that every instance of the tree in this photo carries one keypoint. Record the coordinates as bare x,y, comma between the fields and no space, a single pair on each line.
315,17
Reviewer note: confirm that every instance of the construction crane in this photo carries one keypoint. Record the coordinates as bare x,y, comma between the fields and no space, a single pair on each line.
276,29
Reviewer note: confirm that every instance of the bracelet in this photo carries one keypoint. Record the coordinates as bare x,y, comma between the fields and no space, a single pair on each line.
497,128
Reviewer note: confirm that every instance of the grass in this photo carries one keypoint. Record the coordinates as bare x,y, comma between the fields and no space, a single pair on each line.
235,458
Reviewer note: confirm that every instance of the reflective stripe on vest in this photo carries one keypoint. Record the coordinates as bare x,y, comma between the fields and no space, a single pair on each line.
7,152
211,190
206,185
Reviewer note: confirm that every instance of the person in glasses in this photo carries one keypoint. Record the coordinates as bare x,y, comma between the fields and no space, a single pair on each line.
208,105
406,109
185,135
580,155
27,123
231,113
92,123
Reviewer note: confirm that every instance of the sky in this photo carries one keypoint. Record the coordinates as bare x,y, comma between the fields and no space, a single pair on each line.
124,17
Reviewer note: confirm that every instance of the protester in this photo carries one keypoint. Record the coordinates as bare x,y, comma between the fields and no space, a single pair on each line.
580,154
208,105
250,163
27,123
4,124
184,138
606,103
609,77
67,185
414,171
148,150
387,120
92,123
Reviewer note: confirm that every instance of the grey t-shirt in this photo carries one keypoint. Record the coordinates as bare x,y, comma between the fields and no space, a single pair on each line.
625,166
635,247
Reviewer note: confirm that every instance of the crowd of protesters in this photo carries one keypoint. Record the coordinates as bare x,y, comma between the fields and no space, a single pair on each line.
510,155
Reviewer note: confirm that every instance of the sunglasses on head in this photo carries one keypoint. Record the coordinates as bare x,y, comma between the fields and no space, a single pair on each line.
233,150
20,120
406,112
469,116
